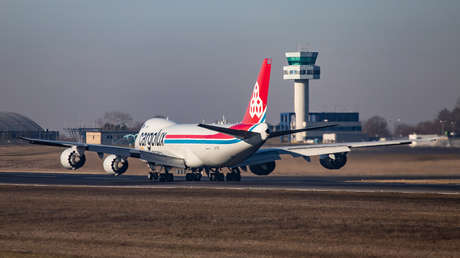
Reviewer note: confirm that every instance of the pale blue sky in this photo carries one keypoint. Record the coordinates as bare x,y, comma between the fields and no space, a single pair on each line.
64,63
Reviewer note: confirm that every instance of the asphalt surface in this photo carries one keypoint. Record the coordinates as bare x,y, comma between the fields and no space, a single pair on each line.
300,183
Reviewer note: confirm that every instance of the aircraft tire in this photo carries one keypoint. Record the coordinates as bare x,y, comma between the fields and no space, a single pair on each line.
220,177
152,176
197,177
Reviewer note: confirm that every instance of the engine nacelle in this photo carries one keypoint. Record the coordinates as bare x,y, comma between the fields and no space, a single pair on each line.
115,165
333,161
72,159
262,169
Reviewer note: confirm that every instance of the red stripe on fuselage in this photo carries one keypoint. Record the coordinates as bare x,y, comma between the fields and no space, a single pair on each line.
244,127
196,136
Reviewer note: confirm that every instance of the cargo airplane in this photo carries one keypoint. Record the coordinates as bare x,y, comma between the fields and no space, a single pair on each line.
210,149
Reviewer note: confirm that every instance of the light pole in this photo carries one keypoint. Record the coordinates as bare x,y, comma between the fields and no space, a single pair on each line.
442,126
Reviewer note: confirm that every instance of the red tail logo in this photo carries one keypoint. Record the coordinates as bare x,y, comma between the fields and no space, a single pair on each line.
256,108
256,111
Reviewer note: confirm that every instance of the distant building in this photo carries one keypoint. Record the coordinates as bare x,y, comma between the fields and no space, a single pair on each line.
99,136
13,125
287,122
110,137
348,126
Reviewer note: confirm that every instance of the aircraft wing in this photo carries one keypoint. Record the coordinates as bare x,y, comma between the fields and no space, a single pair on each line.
156,157
264,155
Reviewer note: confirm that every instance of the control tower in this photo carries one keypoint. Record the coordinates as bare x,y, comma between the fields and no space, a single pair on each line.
301,68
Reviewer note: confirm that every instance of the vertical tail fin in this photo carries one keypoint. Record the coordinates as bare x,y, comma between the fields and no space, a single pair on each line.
257,107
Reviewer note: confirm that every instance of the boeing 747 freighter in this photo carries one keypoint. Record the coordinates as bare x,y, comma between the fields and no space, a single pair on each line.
219,151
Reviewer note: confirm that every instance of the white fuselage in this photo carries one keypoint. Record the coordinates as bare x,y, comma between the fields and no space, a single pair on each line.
199,147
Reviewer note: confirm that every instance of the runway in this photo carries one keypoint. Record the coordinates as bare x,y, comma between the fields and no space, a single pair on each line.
399,184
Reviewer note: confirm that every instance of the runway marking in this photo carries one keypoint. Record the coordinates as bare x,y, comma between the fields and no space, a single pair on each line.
252,188
408,181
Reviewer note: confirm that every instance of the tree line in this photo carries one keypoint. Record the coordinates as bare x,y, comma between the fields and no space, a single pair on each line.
118,121
447,122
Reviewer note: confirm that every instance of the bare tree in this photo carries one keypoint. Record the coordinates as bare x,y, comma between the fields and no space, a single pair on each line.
444,115
450,120
136,126
377,127
429,127
446,122
403,130
454,124
115,120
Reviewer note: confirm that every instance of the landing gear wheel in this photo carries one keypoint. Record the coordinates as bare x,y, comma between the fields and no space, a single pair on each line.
234,175
215,175
153,176
196,177
220,177
166,177
189,177
229,177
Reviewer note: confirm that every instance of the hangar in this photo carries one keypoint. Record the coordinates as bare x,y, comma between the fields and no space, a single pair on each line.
14,125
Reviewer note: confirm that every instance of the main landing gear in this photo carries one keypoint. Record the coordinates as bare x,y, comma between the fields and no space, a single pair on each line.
214,174
162,177
232,175
194,176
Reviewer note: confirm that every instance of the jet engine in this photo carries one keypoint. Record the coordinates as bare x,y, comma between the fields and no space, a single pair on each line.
262,169
333,161
72,159
115,165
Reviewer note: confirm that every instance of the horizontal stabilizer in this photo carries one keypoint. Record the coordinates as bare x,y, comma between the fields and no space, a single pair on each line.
281,133
241,134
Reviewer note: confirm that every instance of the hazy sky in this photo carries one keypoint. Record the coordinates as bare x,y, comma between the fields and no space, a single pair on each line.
65,63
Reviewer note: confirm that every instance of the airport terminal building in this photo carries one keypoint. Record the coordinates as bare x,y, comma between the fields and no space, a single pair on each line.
101,136
348,127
